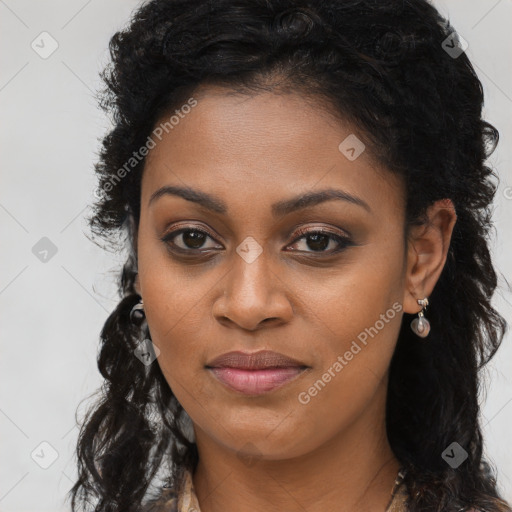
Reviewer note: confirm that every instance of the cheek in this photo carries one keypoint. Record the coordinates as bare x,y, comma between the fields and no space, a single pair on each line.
173,293
359,311
351,298
175,308
177,319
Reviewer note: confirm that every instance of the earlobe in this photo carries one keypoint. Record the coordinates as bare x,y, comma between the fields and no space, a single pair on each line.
428,246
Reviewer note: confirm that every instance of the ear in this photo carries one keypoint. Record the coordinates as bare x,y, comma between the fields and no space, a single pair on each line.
427,251
137,285
134,241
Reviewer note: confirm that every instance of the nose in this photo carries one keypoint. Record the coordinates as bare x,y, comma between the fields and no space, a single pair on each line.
253,295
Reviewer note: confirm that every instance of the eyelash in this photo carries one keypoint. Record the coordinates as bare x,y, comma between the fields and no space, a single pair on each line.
343,241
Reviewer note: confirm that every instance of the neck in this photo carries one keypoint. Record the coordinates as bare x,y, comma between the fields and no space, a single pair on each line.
353,470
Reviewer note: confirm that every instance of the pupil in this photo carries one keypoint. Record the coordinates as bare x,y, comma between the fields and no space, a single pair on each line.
194,239
320,242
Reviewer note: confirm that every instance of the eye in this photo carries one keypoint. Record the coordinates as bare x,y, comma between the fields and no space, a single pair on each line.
188,240
318,240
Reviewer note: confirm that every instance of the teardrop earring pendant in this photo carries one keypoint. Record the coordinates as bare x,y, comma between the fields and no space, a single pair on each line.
137,313
420,325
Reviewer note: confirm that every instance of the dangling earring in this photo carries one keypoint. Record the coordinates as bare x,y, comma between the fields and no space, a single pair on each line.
137,314
420,325
146,351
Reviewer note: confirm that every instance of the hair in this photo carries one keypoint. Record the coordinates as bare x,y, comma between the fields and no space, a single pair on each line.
382,67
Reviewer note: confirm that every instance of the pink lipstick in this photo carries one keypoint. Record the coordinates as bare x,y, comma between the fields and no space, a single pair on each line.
255,373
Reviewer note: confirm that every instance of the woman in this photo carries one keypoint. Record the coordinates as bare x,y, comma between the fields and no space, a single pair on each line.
306,302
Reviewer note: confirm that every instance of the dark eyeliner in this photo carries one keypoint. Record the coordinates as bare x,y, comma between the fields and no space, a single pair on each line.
343,242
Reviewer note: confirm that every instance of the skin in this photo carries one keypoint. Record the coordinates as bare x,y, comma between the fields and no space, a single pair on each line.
272,452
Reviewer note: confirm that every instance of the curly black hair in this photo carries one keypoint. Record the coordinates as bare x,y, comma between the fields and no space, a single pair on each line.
392,69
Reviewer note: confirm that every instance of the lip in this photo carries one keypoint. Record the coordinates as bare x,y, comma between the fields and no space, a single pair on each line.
261,360
255,373
256,382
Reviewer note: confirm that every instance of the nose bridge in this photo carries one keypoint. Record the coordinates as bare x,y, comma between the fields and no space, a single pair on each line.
251,280
252,292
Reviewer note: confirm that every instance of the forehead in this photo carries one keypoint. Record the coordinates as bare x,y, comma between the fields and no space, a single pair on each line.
263,146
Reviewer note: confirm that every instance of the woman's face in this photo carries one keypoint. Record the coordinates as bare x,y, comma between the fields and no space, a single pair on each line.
246,275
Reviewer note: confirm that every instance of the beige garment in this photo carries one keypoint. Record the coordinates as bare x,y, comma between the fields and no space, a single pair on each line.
399,499
187,499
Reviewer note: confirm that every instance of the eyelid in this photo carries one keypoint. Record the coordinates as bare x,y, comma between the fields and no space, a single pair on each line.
179,229
344,241
186,226
301,232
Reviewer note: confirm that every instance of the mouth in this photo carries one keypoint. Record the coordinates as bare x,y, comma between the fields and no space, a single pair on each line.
256,373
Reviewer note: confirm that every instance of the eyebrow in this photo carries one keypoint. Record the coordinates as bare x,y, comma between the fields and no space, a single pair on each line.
279,209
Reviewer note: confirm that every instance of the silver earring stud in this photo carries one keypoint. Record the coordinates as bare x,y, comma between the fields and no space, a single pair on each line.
420,325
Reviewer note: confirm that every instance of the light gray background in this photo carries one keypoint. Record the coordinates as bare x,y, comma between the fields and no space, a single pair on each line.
52,312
